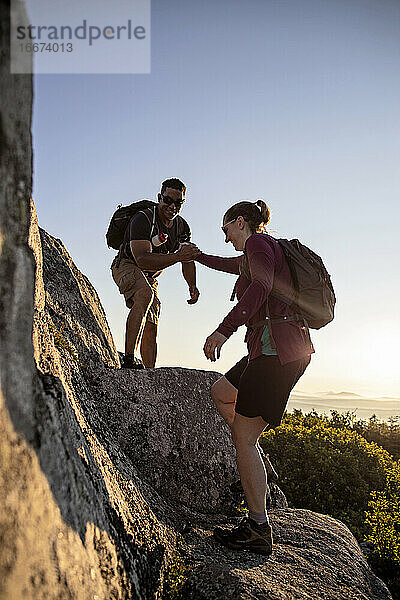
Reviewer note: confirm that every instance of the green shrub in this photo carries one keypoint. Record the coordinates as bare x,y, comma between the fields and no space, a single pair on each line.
386,434
327,469
326,466
383,433
383,530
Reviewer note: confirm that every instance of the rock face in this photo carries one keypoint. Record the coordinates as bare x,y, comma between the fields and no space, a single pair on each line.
112,480
163,421
156,455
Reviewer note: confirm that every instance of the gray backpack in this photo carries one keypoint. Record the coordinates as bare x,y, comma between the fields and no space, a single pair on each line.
314,298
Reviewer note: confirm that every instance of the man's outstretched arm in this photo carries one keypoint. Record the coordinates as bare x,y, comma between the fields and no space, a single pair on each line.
146,259
189,273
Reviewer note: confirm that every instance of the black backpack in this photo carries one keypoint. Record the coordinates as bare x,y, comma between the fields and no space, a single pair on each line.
121,219
314,299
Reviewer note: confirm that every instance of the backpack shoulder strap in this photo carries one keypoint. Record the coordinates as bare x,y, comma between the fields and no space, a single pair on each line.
151,220
243,270
181,229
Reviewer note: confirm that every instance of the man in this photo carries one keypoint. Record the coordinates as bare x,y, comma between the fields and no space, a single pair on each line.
142,258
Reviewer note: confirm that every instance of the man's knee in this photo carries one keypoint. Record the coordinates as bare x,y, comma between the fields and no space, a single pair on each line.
143,299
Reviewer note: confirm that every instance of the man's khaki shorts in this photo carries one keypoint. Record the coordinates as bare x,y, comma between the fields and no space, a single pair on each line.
129,279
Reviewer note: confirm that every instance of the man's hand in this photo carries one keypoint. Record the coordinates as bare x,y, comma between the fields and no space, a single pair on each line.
212,343
187,252
194,294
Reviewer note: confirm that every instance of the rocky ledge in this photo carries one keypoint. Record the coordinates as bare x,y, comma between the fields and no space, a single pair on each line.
125,473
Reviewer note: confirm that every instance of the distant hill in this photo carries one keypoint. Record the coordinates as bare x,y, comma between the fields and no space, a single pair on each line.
383,407
330,393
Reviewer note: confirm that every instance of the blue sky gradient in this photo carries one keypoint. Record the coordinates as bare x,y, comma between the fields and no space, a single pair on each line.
293,102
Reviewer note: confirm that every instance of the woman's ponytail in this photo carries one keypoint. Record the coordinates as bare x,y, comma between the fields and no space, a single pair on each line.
257,214
265,212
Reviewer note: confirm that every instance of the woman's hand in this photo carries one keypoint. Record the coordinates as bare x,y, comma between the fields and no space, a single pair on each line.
212,343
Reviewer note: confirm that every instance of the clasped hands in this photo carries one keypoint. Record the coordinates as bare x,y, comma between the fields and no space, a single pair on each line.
187,252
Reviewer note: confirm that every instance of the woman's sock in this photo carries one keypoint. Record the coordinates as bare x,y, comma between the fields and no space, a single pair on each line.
259,518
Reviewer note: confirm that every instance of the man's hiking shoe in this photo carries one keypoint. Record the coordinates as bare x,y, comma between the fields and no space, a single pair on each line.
131,362
238,493
248,535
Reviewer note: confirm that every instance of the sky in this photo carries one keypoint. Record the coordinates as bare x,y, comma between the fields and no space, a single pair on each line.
295,102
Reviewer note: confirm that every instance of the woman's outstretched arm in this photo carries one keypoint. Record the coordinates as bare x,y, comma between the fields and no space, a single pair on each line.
219,263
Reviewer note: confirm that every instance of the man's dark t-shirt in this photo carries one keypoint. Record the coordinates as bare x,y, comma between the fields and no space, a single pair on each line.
140,228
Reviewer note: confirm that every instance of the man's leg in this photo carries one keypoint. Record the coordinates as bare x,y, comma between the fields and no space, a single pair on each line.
138,294
224,395
245,434
142,299
148,346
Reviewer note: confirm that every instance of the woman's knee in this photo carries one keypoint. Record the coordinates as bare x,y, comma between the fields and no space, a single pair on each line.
224,392
240,440
238,437
215,392
245,434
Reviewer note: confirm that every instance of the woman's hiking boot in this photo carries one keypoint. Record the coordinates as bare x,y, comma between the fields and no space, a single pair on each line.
248,535
129,361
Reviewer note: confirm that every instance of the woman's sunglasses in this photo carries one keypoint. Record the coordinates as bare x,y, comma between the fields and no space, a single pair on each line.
226,225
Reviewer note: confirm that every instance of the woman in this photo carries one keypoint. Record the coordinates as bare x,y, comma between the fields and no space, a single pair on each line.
253,394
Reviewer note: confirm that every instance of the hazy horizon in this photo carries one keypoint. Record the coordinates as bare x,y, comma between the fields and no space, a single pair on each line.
362,406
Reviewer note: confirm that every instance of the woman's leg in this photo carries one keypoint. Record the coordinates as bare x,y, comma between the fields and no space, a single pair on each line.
245,434
224,395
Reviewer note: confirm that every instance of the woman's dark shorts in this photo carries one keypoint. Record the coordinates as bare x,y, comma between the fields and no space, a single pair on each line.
264,386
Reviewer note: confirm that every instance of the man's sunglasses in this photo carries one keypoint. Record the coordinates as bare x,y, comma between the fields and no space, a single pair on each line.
169,201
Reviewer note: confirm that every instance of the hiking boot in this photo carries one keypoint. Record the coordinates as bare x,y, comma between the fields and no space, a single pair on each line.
248,535
131,362
238,493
